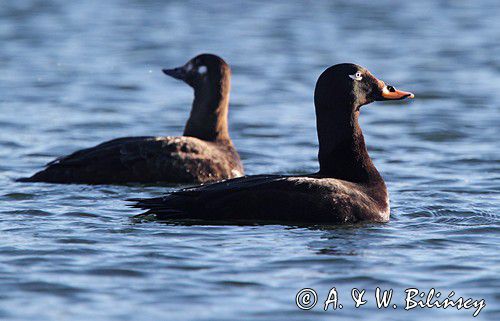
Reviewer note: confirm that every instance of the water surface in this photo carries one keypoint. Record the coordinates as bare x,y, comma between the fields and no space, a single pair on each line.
74,74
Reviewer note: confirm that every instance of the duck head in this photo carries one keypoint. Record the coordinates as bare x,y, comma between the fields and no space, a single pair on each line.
340,92
210,77
201,71
354,86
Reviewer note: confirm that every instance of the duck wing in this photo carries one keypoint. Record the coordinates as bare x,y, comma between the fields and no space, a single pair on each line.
250,198
135,159
100,151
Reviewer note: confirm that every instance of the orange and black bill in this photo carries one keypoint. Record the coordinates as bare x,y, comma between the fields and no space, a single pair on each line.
391,93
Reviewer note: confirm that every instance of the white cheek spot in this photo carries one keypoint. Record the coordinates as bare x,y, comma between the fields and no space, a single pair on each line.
202,70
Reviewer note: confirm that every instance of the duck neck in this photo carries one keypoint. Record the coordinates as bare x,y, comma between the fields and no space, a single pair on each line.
342,150
208,118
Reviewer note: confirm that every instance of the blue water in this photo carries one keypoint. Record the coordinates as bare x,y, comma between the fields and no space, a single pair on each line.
77,73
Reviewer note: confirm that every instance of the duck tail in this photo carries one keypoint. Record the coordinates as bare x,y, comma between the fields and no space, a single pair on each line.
26,179
159,208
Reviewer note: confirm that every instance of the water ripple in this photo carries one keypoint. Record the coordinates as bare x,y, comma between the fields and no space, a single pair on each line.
76,73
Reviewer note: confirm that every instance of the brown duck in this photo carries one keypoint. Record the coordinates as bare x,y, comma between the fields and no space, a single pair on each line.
205,152
347,189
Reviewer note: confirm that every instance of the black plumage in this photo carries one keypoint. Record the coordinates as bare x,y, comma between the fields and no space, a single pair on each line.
348,188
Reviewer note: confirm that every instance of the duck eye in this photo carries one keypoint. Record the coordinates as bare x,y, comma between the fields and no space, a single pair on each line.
391,89
356,76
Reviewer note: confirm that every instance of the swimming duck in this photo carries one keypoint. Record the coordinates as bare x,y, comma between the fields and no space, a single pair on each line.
204,153
347,189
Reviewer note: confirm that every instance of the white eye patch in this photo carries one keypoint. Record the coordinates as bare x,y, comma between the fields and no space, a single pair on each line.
202,70
189,66
357,76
